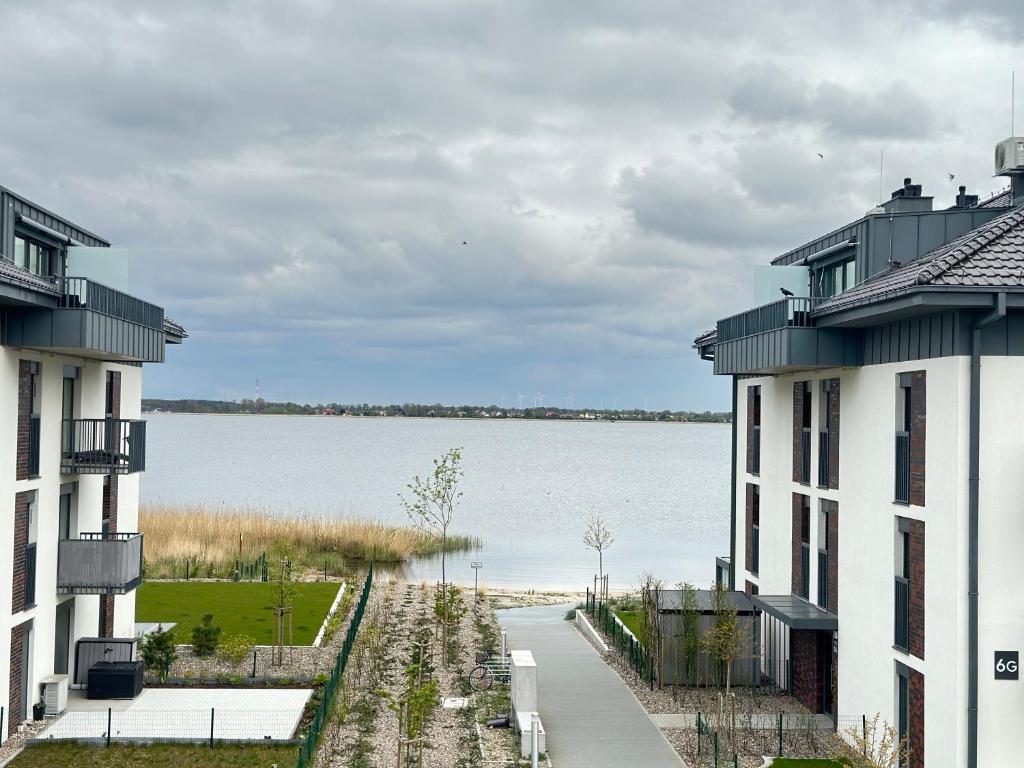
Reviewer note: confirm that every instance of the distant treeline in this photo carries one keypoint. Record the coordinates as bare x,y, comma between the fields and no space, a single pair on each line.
438,411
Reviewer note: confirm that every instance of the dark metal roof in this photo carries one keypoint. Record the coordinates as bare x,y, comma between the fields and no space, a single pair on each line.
9,272
991,256
22,206
671,600
795,612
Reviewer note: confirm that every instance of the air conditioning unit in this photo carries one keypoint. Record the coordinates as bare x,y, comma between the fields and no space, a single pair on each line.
55,694
1010,157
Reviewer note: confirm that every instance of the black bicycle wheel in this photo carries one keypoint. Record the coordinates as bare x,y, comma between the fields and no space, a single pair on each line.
480,679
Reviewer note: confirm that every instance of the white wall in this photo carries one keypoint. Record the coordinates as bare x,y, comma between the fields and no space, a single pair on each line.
866,673
89,503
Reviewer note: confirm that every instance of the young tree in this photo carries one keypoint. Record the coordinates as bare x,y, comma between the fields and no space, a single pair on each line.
598,538
158,652
725,638
877,746
691,630
650,620
432,507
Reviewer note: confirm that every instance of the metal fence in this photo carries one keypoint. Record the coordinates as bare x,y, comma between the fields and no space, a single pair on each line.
256,569
780,735
211,725
632,651
308,750
83,293
794,311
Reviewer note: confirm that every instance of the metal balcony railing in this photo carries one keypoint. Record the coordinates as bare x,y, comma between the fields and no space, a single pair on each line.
805,455
30,575
902,629
823,459
99,564
755,457
902,492
791,312
83,293
823,579
805,571
103,446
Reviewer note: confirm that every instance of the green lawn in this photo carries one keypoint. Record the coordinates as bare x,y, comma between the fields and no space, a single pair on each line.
71,755
793,762
237,607
631,619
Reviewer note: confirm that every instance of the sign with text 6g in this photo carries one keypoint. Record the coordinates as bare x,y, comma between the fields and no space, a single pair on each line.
1007,665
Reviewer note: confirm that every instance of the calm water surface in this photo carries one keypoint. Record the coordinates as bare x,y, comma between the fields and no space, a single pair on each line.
530,486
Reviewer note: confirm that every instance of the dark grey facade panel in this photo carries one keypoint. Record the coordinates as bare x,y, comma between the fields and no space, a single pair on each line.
86,333
14,205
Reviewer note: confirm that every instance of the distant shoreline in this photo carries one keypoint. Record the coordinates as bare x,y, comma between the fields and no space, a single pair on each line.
442,418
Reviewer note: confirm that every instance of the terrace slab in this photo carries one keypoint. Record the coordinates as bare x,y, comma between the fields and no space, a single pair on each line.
237,714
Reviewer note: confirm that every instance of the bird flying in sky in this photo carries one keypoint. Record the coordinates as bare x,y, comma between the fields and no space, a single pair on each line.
951,176
821,156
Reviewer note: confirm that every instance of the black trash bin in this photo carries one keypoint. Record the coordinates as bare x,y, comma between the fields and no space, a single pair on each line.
115,680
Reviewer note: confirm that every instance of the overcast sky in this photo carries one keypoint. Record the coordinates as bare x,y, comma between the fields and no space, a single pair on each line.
468,201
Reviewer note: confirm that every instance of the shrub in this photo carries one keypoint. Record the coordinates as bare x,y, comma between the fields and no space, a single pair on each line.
234,649
205,636
158,652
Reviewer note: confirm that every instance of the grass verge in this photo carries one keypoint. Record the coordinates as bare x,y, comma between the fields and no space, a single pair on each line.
208,539
72,755
237,608
631,619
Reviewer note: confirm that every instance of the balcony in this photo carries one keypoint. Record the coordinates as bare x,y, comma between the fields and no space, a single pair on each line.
92,320
902,490
902,630
99,564
780,337
103,446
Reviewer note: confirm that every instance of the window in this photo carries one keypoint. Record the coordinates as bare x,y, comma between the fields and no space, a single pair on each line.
755,530
67,519
754,430
30,551
823,556
910,439
805,547
32,256
802,400
828,434
34,403
909,587
68,408
836,278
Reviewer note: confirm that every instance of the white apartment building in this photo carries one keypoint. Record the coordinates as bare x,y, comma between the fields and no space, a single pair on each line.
71,446
878,447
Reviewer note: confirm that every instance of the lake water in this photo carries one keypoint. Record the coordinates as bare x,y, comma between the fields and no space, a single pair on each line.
530,486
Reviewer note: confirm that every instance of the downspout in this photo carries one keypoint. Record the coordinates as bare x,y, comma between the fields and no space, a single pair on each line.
974,448
732,497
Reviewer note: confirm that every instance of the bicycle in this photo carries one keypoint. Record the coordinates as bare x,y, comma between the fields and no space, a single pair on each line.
489,670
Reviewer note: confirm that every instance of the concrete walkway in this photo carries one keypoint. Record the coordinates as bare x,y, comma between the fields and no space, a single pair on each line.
591,718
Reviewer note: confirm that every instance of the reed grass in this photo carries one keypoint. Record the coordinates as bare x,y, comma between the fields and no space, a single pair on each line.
208,539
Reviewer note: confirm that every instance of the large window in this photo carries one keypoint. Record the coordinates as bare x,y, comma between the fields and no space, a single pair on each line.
33,256
836,278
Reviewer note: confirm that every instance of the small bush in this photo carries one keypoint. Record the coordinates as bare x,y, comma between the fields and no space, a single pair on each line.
234,649
158,653
205,636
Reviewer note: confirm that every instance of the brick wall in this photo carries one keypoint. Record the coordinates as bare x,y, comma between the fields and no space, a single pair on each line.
833,434
749,538
19,544
916,587
798,423
796,542
915,712
832,508
918,423
116,395
15,704
24,406
751,404
106,628
803,665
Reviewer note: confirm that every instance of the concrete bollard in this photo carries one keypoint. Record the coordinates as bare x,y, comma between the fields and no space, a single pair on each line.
534,740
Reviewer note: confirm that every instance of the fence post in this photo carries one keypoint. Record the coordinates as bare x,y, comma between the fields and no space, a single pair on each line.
211,727
254,662
698,734
534,740
780,734
715,735
864,727
1,719
110,718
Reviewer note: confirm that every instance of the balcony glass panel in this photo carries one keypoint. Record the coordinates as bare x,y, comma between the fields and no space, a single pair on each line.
99,564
